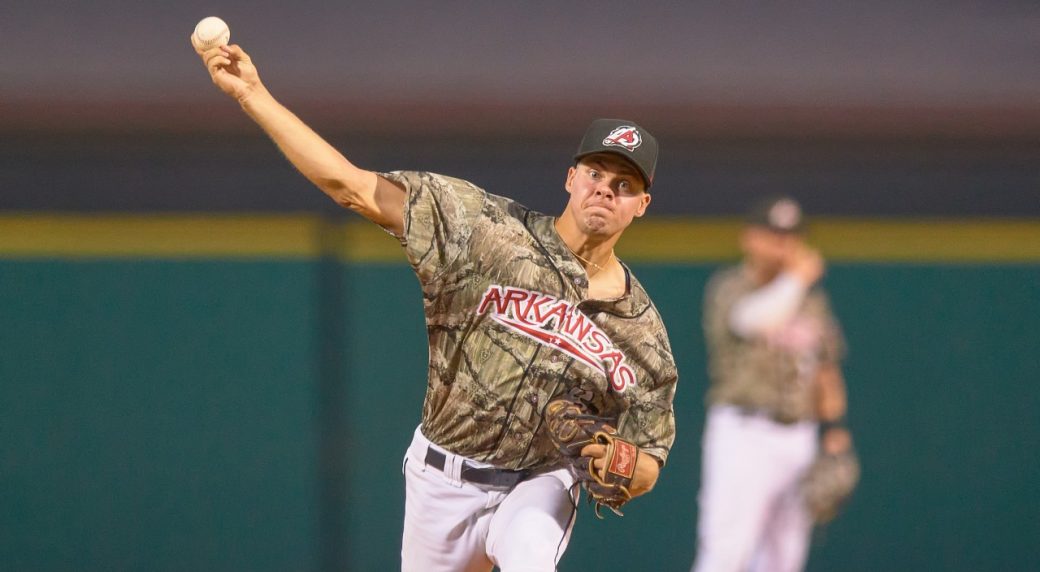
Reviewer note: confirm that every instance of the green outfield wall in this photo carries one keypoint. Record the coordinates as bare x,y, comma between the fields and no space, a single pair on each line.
236,393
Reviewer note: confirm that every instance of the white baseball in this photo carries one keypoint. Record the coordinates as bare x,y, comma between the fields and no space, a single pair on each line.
209,33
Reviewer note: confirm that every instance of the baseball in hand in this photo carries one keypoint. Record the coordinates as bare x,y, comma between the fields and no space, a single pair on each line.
209,33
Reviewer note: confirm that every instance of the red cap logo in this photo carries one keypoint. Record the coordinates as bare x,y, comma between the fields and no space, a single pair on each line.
625,136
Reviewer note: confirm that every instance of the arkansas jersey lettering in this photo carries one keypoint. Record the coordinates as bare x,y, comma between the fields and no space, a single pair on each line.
559,325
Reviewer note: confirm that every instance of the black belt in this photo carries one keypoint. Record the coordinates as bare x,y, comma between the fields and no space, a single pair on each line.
498,478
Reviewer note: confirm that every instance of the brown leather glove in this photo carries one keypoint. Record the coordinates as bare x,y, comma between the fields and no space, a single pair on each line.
571,428
829,483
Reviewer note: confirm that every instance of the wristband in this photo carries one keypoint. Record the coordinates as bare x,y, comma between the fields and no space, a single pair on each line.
827,425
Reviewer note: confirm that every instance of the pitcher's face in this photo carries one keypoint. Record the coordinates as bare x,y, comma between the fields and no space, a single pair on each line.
606,194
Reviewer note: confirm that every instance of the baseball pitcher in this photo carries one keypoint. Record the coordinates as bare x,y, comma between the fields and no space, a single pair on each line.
550,370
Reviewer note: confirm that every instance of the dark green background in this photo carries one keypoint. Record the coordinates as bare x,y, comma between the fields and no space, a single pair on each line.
252,415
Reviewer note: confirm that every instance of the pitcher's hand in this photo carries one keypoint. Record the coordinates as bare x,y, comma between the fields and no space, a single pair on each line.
232,71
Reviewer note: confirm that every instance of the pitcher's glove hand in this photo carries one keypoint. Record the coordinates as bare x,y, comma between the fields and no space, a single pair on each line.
571,428
829,483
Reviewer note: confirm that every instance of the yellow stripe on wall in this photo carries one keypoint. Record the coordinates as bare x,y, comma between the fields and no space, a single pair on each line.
159,236
844,239
937,240
679,240
360,241
666,240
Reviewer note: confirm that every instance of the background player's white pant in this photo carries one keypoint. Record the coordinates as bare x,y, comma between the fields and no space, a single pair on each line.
752,514
454,526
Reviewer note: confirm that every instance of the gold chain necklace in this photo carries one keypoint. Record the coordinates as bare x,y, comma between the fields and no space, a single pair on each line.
589,262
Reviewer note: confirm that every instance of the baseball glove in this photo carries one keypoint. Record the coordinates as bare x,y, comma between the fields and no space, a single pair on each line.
571,428
829,483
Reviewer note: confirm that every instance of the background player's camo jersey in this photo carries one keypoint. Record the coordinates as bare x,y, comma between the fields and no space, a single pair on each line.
775,374
510,328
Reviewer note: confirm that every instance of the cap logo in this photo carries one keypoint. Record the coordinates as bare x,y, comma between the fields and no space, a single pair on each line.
785,214
625,136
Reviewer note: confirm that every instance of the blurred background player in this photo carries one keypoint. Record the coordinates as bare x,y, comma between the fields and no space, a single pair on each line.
777,396
520,308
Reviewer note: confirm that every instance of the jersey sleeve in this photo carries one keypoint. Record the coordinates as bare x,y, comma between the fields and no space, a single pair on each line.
439,213
650,419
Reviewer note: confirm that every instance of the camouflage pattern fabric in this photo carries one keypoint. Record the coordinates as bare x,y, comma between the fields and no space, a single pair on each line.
510,327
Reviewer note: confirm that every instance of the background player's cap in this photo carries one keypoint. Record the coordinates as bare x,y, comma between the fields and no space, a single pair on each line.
624,138
778,214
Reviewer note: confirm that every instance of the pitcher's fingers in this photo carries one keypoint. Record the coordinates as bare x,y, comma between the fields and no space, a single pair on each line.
594,450
216,61
236,52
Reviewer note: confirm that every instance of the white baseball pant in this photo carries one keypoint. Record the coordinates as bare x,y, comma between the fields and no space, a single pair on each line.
455,526
752,513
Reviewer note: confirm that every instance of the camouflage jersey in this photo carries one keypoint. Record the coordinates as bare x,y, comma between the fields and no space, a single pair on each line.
510,327
774,374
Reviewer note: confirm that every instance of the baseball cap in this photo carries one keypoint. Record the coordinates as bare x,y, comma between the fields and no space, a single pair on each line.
624,138
779,214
